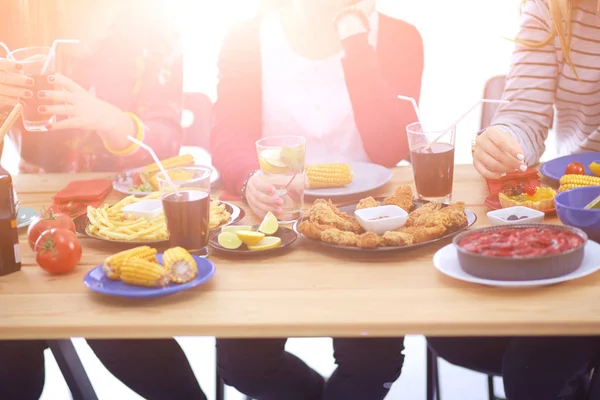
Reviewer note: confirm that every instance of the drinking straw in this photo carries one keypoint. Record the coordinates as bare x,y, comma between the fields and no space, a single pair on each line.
156,160
10,120
5,47
416,108
52,52
453,126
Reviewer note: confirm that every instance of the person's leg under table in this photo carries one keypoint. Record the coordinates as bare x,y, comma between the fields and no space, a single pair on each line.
262,369
156,369
22,372
543,368
367,368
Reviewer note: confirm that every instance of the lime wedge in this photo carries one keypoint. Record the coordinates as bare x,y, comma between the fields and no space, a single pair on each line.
250,238
229,240
268,243
236,228
269,224
593,204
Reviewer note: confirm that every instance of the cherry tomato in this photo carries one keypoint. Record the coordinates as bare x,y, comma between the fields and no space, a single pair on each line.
530,190
58,251
48,220
575,168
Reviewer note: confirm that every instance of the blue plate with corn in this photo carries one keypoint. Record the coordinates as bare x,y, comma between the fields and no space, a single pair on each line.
142,273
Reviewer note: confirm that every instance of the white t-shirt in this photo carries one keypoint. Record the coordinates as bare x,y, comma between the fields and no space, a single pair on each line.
302,97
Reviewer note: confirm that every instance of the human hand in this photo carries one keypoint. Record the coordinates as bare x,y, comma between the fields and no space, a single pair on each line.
13,84
262,196
496,153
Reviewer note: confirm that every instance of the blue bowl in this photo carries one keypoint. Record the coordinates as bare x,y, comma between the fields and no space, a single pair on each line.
570,209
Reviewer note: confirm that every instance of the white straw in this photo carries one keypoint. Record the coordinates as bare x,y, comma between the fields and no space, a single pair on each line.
52,52
416,107
5,47
453,126
156,160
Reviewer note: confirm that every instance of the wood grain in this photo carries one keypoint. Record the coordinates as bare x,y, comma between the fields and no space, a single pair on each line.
306,291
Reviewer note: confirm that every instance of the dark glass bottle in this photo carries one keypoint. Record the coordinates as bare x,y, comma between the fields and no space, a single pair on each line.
10,254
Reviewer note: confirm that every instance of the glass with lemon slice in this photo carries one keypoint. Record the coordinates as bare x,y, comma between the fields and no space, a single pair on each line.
281,161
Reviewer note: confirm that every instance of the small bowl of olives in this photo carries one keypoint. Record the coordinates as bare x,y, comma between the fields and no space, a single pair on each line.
515,215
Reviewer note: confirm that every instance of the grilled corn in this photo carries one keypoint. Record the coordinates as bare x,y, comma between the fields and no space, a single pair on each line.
181,265
328,175
140,272
568,182
112,265
173,162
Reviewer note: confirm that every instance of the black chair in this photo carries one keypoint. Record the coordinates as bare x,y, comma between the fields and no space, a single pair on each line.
72,369
199,107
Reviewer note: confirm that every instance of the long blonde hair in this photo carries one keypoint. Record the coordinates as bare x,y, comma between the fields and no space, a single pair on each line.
560,12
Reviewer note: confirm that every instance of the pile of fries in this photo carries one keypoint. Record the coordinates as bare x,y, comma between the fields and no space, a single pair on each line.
111,223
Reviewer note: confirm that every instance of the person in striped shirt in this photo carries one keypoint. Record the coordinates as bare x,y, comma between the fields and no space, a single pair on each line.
555,69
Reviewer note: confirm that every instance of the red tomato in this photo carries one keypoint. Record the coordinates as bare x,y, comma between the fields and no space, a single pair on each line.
48,220
136,180
58,251
575,168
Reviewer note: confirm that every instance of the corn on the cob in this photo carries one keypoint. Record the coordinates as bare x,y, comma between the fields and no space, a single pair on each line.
328,175
181,265
112,265
572,181
140,272
173,162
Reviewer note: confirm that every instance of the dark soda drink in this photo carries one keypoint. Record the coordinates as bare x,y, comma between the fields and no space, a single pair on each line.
434,170
10,254
30,112
188,218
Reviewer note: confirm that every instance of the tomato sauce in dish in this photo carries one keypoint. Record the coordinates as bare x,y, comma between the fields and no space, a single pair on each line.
378,218
521,242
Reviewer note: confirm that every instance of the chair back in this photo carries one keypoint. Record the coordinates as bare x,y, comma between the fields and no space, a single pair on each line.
493,90
196,119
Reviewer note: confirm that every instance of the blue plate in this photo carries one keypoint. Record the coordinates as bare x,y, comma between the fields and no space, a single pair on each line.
556,168
97,281
26,217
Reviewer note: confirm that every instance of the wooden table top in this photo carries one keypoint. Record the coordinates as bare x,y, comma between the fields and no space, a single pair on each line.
307,291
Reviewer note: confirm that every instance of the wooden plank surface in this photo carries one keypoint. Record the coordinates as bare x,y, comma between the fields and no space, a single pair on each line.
306,291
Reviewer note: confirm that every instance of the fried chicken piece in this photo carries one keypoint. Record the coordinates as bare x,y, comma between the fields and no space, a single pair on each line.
369,202
403,198
397,239
369,240
325,213
433,219
457,220
338,237
424,234
424,209
451,217
312,230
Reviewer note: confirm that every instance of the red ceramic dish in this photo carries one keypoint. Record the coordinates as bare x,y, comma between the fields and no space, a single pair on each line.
521,252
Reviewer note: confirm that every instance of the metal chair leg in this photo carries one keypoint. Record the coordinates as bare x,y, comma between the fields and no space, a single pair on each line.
433,379
491,388
72,369
220,385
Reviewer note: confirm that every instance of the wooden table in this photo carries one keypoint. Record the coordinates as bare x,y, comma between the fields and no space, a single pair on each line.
308,291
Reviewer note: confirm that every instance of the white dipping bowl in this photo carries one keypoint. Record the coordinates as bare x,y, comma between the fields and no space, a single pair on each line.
369,218
500,217
148,209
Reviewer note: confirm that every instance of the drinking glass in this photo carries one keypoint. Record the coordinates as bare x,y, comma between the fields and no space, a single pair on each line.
432,158
281,161
32,59
186,204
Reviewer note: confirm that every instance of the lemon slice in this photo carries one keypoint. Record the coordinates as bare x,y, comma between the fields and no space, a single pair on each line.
236,228
268,243
250,238
269,224
229,240
273,157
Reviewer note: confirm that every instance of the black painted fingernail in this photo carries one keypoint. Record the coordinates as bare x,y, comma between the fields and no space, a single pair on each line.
42,109
51,78
28,94
41,94
29,81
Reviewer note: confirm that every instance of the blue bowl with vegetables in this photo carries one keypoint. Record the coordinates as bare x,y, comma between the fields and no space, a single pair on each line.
580,208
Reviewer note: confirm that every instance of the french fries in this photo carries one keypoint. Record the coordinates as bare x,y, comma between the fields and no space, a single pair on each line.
110,223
